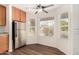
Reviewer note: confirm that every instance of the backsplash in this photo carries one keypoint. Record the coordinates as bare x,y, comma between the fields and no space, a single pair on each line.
2,29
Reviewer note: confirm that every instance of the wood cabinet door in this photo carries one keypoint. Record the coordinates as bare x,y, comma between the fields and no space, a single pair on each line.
23,16
16,14
4,44
2,15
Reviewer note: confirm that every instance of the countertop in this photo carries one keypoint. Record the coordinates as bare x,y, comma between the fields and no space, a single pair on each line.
4,33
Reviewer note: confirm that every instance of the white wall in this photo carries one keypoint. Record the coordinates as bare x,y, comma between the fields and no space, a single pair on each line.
75,28
10,26
31,39
20,6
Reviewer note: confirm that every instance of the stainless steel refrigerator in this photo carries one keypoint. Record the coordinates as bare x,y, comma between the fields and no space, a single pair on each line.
18,34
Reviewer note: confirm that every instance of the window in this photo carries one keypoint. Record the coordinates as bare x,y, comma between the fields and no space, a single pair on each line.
47,26
64,25
31,27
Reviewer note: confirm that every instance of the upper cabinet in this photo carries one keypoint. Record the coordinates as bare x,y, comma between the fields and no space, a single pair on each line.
18,15
23,16
15,14
2,15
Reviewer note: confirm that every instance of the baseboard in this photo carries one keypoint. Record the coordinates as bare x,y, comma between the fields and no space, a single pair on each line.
19,47
10,50
32,43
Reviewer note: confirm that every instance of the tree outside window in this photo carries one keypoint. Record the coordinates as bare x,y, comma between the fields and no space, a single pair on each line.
64,25
47,27
31,27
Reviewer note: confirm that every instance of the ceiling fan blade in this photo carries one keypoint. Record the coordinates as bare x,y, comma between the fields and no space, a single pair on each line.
36,12
45,11
49,5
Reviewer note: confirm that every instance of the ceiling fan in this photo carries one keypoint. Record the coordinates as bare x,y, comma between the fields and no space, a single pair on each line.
42,7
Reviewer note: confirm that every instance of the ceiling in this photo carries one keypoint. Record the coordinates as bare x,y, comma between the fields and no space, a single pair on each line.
31,7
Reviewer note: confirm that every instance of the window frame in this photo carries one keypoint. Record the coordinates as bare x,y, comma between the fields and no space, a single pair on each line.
64,25
30,26
47,19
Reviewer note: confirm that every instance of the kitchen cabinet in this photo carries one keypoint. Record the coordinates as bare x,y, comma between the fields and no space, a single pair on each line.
2,15
16,14
4,43
23,16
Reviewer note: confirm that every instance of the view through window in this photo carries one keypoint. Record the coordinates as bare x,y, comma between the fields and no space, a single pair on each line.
64,25
47,27
31,27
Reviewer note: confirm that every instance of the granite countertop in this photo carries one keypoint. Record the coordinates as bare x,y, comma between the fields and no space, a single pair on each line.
4,33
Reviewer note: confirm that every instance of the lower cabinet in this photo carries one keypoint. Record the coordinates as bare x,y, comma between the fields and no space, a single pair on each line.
4,43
